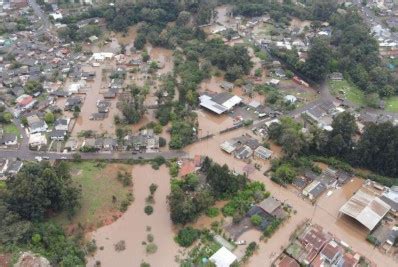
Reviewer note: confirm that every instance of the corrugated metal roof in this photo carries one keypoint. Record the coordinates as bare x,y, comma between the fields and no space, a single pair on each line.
366,208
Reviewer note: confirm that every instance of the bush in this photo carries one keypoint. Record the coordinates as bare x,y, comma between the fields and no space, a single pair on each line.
148,210
187,236
212,212
152,188
120,246
256,220
150,238
151,248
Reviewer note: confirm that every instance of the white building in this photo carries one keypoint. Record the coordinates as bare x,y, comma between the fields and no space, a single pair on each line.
223,257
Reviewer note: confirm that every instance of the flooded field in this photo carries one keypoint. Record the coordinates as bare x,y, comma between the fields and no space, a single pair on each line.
132,227
209,123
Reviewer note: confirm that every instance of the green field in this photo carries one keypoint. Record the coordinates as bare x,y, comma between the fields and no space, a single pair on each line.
347,91
392,104
98,184
10,128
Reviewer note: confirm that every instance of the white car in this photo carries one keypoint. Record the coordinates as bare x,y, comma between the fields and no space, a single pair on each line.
38,158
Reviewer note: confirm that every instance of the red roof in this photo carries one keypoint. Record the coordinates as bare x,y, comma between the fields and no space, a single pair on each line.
187,167
25,101
197,160
288,262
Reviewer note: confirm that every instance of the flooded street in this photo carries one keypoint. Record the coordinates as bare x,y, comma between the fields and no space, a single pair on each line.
325,213
132,226
89,107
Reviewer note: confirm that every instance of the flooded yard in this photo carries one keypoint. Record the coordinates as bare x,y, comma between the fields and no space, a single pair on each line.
133,226
89,107
325,213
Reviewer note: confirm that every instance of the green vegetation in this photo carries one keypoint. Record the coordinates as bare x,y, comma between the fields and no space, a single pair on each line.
186,236
256,220
10,128
148,209
102,192
212,212
133,108
25,202
241,202
392,104
348,91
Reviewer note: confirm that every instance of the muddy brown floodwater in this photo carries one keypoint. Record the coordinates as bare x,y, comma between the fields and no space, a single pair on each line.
132,226
89,107
325,213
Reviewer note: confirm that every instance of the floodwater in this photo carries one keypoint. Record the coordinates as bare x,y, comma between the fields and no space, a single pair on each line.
325,213
89,107
132,226
209,123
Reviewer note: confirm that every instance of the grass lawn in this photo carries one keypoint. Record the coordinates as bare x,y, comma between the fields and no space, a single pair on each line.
98,184
392,104
351,92
10,128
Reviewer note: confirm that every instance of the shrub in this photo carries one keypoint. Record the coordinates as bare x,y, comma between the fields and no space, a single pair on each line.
120,246
148,209
212,212
152,188
150,238
256,220
187,236
151,248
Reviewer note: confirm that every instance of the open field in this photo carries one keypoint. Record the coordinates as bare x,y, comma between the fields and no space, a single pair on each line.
351,92
10,128
392,104
98,183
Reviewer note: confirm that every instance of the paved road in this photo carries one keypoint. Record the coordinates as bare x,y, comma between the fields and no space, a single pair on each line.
26,154
46,24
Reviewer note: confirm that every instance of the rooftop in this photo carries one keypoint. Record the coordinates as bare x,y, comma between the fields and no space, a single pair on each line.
366,208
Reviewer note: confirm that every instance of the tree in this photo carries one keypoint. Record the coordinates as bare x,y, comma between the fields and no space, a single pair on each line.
284,174
139,42
186,236
341,137
38,188
183,18
223,182
133,108
316,67
49,117
32,87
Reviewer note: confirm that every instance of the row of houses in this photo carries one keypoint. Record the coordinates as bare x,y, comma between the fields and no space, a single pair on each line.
144,141
245,147
315,247
313,185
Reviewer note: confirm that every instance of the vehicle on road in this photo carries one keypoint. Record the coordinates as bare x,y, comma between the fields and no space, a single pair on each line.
38,159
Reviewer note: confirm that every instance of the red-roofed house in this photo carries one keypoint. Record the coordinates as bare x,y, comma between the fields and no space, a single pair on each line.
187,167
288,261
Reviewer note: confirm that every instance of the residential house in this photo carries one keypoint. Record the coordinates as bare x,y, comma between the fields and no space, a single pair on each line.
286,261
36,125
62,124
8,139
314,190
262,153
109,144
330,254
313,239
14,167
37,140
243,152
3,168
57,135
223,258
72,103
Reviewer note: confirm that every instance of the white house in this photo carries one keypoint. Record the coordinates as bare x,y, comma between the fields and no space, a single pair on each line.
37,139
62,124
